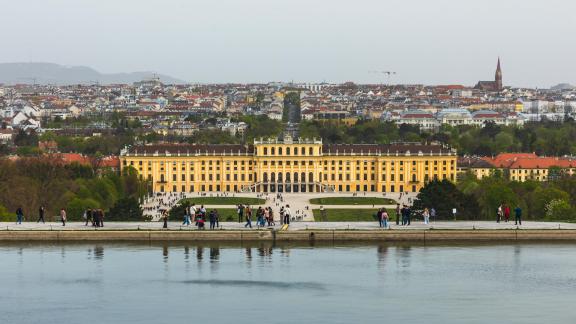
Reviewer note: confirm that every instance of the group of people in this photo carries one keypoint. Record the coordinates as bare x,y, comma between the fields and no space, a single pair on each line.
504,211
264,215
403,216
94,216
41,215
199,215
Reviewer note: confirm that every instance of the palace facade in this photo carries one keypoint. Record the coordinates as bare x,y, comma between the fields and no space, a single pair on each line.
291,166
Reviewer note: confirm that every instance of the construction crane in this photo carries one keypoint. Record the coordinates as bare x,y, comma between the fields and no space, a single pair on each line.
388,74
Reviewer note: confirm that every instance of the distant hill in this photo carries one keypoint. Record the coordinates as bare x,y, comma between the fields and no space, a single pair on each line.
563,86
50,73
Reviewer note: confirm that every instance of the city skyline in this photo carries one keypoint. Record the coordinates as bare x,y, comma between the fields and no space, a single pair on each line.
224,41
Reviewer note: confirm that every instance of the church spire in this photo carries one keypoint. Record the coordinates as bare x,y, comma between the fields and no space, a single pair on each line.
498,79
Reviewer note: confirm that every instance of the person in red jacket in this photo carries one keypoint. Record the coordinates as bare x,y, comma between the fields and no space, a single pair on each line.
506,213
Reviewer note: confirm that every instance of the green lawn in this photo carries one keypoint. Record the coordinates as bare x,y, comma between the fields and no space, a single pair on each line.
228,214
352,201
224,201
350,215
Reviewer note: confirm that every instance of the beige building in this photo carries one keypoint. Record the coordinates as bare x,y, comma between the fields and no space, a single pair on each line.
291,166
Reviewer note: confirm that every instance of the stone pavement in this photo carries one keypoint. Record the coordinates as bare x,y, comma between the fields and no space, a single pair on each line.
294,226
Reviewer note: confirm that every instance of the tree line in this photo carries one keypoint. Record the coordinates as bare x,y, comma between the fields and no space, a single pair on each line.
479,199
545,138
31,182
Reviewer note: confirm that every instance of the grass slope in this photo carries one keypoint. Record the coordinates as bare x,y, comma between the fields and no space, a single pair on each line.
224,201
352,201
351,215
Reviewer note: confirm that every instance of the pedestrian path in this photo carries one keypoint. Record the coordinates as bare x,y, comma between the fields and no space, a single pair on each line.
294,226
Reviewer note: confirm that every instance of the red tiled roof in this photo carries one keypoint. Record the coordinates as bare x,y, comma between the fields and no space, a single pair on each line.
529,161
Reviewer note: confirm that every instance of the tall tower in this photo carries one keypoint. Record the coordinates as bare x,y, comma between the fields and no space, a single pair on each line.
498,79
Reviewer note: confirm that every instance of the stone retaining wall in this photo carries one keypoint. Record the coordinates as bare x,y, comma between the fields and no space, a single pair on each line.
296,236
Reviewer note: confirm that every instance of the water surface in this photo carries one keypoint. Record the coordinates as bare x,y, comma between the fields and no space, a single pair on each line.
233,283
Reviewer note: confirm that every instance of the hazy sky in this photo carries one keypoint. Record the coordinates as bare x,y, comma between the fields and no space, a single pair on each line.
424,41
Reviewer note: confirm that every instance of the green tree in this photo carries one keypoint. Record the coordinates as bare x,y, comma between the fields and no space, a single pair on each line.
126,209
77,206
23,138
541,197
494,192
560,211
443,196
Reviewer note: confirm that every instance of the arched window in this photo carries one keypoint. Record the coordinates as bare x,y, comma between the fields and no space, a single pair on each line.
287,176
265,176
295,176
279,151
272,177
303,151
311,151
161,178
279,176
287,151
310,177
273,151
303,177
413,178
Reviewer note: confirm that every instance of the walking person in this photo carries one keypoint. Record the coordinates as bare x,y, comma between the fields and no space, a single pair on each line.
433,213
240,213
101,217
403,213
385,218
19,215
267,216
408,214
165,219
259,216
186,217
63,216
271,216
506,213
282,215
41,212
248,217
518,215
217,217
499,214
287,214
212,217
95,220
379,217
398,214
426,215
88,217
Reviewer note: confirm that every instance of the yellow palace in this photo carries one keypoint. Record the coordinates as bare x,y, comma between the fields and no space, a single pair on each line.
291,166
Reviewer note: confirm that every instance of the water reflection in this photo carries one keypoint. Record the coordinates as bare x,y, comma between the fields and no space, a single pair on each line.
165,253
248,252
214,254
381,253
99,252
199,254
